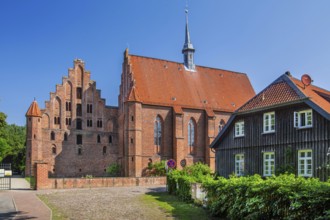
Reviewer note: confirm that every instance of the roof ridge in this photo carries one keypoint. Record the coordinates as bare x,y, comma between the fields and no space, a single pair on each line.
205,67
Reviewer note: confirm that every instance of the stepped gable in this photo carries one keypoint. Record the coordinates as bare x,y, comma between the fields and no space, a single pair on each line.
166,83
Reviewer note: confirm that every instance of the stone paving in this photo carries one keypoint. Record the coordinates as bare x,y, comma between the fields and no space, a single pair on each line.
22,203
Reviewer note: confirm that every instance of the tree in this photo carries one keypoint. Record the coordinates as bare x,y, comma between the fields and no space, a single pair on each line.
12,144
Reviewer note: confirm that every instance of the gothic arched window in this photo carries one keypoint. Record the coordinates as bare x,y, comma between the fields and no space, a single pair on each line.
104,150
158,133
98,139
191,132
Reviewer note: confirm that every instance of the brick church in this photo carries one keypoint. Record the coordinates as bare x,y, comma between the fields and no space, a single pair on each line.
166,110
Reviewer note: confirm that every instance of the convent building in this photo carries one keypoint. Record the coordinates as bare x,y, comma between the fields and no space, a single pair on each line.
166,110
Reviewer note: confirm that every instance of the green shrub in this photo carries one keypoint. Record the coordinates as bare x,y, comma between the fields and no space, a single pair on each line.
281,197
113,170
179,182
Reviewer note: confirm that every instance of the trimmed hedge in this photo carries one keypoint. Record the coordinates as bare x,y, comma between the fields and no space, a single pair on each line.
278,197
281,197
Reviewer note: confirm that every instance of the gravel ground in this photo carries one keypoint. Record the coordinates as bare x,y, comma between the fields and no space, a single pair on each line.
105,203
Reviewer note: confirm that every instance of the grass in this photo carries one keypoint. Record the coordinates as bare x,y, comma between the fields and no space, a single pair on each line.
174,207
56,213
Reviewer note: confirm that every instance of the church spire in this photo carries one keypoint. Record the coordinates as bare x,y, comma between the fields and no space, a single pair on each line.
188,49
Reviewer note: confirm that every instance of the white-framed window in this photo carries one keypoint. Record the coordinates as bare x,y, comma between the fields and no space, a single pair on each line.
239,129
269,122
305,163
269,163
303,119
239,164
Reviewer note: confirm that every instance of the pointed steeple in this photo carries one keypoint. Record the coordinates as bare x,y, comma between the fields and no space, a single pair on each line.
188,49
34,110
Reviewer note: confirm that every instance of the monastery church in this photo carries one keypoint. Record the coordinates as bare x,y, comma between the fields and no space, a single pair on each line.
166,110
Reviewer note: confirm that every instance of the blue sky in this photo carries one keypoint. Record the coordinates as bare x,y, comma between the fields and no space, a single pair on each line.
40,39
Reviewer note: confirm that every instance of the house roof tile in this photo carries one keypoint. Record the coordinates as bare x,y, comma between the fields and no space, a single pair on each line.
287,89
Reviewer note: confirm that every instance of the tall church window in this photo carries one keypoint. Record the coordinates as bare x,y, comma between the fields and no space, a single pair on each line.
110,139
158,133
79,93
52,136
104,150
191,134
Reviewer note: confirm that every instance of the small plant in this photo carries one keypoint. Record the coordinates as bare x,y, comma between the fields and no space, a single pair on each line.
89,176
113,170
156,169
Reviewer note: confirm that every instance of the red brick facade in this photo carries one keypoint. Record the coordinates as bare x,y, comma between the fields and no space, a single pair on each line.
150,90
76,134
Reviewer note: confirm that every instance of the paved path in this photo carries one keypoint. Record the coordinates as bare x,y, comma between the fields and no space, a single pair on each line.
22,202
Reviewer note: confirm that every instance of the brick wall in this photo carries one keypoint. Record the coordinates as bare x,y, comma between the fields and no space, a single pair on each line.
43,182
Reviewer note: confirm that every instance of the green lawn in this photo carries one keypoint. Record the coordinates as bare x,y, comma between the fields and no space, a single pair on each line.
173,207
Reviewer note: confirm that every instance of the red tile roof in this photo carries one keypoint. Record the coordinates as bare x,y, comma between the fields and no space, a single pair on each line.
34,110
288,89
133,96
167,83
318,96
274,94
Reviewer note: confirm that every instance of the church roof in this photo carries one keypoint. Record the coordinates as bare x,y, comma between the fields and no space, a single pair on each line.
34,110
162,82
133,96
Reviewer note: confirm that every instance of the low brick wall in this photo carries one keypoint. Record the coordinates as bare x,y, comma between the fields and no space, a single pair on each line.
43,182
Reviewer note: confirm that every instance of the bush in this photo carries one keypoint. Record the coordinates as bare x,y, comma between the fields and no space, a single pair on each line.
113,170
281,197
179,182
155,169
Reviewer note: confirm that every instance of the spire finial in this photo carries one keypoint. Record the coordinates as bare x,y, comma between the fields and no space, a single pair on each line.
188,49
